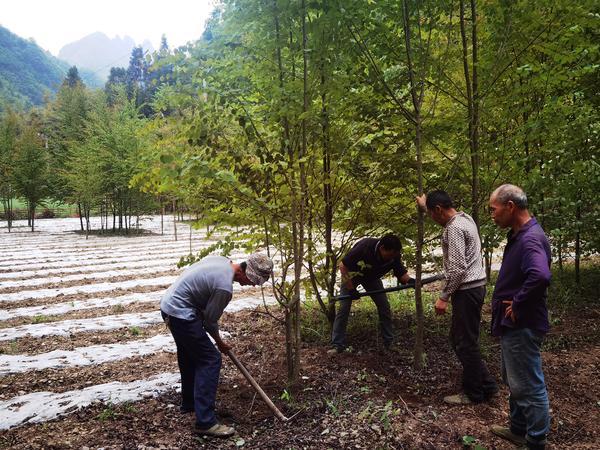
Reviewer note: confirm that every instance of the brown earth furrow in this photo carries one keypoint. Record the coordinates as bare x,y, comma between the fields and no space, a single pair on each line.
81,296
35,346
84,314
91,280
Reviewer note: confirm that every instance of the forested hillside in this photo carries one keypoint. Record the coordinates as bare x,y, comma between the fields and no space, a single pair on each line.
28,73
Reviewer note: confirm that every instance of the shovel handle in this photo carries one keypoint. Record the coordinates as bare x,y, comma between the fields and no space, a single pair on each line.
256,387
393,289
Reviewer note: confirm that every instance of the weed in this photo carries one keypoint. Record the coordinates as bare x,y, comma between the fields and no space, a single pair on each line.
107,413
135,331
471,442
286,396
129,408
385,416
41,318
118,308
334,406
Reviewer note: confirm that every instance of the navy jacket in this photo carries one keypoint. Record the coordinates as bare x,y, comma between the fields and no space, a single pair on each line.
364,263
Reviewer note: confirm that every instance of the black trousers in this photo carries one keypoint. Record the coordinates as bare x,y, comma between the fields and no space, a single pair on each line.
477,382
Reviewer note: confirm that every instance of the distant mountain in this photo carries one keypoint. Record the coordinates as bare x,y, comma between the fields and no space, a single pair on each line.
98,53
28,73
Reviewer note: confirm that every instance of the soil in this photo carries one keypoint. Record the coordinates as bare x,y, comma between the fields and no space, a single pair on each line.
92,280
60,298
362,399
137,307
34,346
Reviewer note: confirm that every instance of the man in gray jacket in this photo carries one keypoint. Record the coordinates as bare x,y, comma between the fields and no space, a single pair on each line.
191,307
465,287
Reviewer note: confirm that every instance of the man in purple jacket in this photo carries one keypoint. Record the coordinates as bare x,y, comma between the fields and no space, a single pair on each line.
520,317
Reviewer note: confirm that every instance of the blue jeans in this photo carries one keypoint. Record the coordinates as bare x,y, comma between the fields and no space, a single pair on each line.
338,334
522,371
199,364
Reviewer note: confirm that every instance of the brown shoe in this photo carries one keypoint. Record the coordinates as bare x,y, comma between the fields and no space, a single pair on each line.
505,433
217,430
457,399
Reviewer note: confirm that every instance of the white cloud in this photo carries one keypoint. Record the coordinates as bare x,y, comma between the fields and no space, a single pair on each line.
53,24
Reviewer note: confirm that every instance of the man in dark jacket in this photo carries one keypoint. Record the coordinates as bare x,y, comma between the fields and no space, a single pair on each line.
365,264
520,317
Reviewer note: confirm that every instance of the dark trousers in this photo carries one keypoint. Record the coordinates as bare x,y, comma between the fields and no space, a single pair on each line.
338,333
477,382
199,364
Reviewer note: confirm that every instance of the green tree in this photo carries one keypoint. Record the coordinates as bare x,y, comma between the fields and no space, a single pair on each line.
31,167
9,130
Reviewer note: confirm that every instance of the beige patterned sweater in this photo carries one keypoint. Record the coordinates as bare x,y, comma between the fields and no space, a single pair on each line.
463,264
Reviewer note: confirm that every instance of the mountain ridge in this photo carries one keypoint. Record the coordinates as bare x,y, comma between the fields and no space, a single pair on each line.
98,53
29,73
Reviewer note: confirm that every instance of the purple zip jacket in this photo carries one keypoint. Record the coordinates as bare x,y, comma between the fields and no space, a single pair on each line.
524,278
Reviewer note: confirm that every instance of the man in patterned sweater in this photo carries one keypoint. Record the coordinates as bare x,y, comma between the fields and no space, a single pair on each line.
465,287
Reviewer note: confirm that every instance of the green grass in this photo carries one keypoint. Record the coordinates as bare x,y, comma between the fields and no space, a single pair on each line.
59,209
565,298
363,316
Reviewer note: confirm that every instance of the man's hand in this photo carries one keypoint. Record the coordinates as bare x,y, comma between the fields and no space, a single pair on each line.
422,202
223,346
509,311
441,306
406,279
354,294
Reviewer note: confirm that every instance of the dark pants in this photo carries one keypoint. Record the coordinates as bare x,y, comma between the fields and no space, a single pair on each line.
199,364
477,382
338,334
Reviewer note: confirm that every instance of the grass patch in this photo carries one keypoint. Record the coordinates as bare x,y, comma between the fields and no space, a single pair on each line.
117,309
135,331
565,299
565,294
364,318
41,318
10,348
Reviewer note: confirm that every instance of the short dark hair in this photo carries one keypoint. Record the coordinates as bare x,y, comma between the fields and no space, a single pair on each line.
391,242
439,198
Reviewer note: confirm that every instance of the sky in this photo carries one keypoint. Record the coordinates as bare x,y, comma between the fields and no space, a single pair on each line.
55,23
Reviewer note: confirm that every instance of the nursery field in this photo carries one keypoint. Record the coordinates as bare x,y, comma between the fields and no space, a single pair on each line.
85,361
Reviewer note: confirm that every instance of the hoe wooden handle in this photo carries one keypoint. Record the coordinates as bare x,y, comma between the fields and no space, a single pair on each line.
256,387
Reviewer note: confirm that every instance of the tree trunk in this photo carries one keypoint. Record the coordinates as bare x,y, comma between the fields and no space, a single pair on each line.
32,216
80,215
190,238
87,222
175,219
330,268
578,241
10,213
471,83
162,220
417,100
